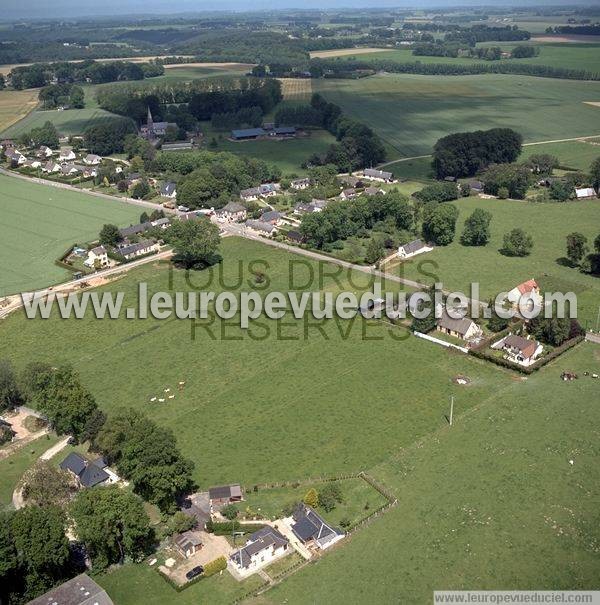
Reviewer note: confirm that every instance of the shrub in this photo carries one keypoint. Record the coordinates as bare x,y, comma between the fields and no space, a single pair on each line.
210,569
229,512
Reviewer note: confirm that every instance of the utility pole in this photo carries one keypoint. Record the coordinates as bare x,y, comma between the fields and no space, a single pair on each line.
598,318
451,408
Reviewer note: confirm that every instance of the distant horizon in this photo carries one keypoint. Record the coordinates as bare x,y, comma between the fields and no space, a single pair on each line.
15,10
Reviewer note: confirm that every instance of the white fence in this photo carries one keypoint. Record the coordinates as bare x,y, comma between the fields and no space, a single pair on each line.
438,341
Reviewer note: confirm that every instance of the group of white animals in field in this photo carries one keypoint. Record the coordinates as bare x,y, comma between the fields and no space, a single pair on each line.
168,394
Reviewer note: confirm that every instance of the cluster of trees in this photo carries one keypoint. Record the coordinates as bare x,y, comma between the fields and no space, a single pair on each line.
43,135
435,49
357,147
59,394
554,331
487,53
507,180
299,115
210,179
463,154
42,74
476,231
439,223
525,51
147,455
438,192
55,95
341,220
249,117
328,497
483,33
592,29
333,67
517,242
195,243
108,136
578,253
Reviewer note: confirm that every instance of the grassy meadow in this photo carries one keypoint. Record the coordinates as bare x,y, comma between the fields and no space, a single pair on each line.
242,386
39,223
411,112
549,224
491,502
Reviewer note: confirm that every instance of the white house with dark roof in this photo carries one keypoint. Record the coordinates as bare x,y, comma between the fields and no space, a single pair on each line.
520,350
91,159
44,152
169,189
272,217
261,227
14,156
130,251
97,257
413,248
463,327
250,195
233,211
378,175
262,548
66,154
51,167
312,530
299,184
88,473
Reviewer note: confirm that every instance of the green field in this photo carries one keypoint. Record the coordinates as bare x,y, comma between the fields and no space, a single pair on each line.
569,56
549,224
39,223
289,154
572,154
412,112
491,503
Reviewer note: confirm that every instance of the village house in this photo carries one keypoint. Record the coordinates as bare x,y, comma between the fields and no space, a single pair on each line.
14,156
250,195
224,494
44,152
300,184
31,164
312,530
529,292
97,257
309,207
188,543
295,236
269,189
463,328
518,349
476,186
88,473
374,191
585,193
80,590
51,167
66,154
413,248
91,159
233,211
350,181
130,251
88,172
348,194
169,189
272,217
133,178
262,548
378,175
69,169
261,227
162,223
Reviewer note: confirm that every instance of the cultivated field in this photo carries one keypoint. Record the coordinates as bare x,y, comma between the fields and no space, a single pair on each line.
15,105
343,52
549,224
296,89
39,223
412,112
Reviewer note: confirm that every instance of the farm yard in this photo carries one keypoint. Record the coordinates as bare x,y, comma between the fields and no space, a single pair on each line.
39,223
411,112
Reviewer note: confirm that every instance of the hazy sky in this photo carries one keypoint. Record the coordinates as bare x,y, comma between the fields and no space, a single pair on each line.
23,9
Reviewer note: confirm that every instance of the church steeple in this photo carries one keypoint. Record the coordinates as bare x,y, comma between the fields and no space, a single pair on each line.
149,121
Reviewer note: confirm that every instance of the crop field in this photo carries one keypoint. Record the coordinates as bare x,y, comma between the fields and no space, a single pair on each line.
15,105
549,224
288,154
39,223
412,112
296,89
500,476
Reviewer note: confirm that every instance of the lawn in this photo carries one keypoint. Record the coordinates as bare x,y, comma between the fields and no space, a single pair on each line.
288,154
13,467
491,503
16,104
549,224
39,223
359,500
412,112
251,406
572,154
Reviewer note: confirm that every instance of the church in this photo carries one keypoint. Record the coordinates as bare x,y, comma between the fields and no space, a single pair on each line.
152,130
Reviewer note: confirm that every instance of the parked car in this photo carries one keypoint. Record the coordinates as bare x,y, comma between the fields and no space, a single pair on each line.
194,572
183,209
